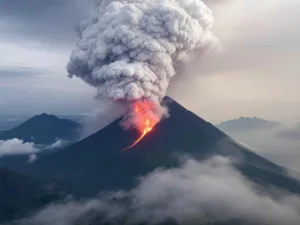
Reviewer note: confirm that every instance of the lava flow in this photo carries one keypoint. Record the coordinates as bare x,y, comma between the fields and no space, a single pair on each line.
144,118
147,129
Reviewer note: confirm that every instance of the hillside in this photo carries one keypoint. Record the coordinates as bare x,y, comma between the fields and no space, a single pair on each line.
20,195
98,163
43,129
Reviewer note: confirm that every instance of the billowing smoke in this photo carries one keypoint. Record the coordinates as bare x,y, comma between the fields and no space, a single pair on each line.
129,49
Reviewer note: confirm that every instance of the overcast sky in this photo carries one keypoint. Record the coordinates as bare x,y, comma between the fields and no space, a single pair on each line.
255,74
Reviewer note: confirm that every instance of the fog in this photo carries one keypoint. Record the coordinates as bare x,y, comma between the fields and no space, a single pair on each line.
207,191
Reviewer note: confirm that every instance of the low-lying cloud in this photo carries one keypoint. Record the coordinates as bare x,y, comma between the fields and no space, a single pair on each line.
32,158
209,191
272,144
17,147
58,144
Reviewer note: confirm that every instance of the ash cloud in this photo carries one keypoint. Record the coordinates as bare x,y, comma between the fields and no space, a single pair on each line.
129,49
209,191
106,112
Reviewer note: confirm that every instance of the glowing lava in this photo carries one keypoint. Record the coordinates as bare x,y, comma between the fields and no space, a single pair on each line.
147,129
144,117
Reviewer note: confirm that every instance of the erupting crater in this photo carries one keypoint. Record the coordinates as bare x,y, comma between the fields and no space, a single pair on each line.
144,116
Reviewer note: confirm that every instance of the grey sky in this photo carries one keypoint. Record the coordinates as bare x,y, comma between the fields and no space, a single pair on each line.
40,21
36,39
256,74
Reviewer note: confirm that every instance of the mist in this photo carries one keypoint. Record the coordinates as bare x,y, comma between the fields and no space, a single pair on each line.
207,191
272,144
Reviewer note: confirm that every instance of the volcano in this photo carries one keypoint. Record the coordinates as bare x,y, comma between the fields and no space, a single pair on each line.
98,163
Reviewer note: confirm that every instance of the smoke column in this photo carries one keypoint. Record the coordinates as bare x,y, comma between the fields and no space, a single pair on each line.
129,49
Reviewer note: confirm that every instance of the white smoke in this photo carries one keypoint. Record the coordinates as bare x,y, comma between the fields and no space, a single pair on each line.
129,49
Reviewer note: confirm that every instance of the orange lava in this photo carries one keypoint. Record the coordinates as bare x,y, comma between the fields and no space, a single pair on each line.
143,118
147,129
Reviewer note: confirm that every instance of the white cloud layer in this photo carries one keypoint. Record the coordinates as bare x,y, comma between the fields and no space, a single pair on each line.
58,144
17,147
32,158
210,191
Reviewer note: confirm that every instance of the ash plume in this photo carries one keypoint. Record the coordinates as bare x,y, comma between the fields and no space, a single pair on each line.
129,49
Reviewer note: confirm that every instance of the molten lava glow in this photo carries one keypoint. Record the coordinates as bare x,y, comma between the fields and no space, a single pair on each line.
144,118
147,129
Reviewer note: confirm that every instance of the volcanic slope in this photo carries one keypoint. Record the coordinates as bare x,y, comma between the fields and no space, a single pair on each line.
20,195
98,163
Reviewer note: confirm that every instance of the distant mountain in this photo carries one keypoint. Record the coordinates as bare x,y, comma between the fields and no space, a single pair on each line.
98,163
43,129
19,195
244,124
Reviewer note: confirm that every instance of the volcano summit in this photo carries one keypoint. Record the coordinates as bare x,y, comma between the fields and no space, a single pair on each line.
98,163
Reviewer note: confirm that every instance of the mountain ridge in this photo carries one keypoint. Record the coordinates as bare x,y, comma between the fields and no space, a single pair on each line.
42,129
99,163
